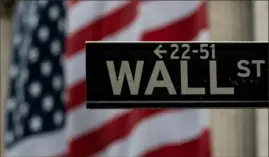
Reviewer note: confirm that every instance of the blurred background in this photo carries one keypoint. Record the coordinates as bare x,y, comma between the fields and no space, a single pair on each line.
235,132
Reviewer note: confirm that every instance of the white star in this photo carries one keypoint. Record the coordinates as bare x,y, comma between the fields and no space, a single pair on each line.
11,105
33,9
43,33
17,39
24,75
57,82
46,68
55,47
9,137
35,123
23,54
58,118
13,71
47,103
54,13
33,55
24,19
24,109
42,3
33,21
35,89
19,130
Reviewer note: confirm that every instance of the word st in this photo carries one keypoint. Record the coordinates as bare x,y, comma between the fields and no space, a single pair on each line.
243,65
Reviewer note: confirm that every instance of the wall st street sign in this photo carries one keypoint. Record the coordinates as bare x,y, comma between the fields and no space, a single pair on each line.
176,74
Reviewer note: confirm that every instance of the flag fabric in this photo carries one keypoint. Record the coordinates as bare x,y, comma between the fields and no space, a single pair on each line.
132,132
52,127
35,111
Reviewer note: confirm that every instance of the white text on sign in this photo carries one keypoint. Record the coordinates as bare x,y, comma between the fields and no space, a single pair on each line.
161,69
207,51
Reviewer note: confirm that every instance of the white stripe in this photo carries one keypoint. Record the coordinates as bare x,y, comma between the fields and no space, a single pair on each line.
156,14
83,13
49,144
80,120
164,128
75,68
150,16
202,36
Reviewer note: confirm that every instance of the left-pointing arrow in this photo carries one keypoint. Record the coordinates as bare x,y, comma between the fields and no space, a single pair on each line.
159,52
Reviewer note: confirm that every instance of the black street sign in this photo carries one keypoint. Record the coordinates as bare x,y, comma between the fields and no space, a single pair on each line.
176,74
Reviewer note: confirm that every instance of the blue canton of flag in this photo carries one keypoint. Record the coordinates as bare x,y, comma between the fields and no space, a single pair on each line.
35,105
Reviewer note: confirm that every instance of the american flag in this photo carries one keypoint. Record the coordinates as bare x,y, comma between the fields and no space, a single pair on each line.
111,132
35,111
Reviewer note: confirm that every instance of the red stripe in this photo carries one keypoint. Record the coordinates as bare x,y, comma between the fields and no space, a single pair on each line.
76,95
117,128
181,30
199,147
102,27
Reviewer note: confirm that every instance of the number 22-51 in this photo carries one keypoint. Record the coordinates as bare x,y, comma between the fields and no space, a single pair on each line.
206,51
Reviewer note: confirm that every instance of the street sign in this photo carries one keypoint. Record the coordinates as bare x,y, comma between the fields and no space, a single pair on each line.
176,74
